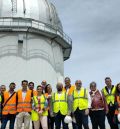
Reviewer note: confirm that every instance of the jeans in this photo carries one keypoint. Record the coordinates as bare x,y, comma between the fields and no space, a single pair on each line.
1,117
81,119
58,119
5,119
97,119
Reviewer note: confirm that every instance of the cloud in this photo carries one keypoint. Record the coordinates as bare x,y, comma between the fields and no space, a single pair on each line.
94,27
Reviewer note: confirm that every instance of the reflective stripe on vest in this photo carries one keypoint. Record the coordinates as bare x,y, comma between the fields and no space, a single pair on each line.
80,100
10,106
24,106
110,97
60,103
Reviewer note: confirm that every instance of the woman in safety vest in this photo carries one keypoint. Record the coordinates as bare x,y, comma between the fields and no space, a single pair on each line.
39,112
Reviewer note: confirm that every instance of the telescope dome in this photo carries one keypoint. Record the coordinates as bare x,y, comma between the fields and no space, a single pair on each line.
41,10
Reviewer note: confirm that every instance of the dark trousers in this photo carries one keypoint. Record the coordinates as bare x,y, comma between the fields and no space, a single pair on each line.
110,117
6,118
97,119
32,125
74,125
58,119
51,121
81,119
1,117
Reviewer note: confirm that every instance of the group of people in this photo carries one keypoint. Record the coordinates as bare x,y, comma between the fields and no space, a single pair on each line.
48,110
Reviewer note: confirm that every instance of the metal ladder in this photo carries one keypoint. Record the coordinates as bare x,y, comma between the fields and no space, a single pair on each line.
14,6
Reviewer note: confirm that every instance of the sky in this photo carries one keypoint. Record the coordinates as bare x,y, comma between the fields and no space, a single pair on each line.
94,26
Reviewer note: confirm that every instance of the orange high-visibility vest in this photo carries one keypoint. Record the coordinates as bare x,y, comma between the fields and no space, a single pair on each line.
118,102
71,89
26,105
34,93
10,106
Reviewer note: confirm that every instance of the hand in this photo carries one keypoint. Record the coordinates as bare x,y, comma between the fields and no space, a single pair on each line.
87,112
40,112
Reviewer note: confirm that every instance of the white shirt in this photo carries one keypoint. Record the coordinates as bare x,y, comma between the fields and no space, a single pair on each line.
23,95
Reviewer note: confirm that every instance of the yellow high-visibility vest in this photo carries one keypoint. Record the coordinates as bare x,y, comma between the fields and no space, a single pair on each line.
60,103
110,97
0,99
35,114
80,100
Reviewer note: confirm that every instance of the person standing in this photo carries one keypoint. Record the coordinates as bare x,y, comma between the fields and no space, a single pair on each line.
109,94
34,93
59,106
40,112
68,88
81,105
24,106
9,102
2,90
98,107
48,95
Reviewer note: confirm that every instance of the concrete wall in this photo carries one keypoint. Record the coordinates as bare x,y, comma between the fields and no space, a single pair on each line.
35,59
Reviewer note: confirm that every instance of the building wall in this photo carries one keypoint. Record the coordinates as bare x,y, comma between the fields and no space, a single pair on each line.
36,59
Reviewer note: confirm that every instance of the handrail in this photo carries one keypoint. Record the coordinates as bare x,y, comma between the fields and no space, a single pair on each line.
19,22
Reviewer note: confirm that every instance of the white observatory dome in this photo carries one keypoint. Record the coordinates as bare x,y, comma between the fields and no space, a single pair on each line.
40,10
33,45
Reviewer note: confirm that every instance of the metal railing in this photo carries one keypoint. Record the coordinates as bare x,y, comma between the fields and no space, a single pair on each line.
18,24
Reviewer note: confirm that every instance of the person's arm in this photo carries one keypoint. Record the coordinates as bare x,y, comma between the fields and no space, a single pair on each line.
70,101
51,106
89,101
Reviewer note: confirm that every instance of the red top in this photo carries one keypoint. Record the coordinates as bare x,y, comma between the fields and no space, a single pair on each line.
98,101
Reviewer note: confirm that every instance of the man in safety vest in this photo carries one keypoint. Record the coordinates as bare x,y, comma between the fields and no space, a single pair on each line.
68,88
109,93
24,106
9,102
59,106
81,104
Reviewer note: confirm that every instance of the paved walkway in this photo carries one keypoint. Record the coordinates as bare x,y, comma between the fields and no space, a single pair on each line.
70,126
